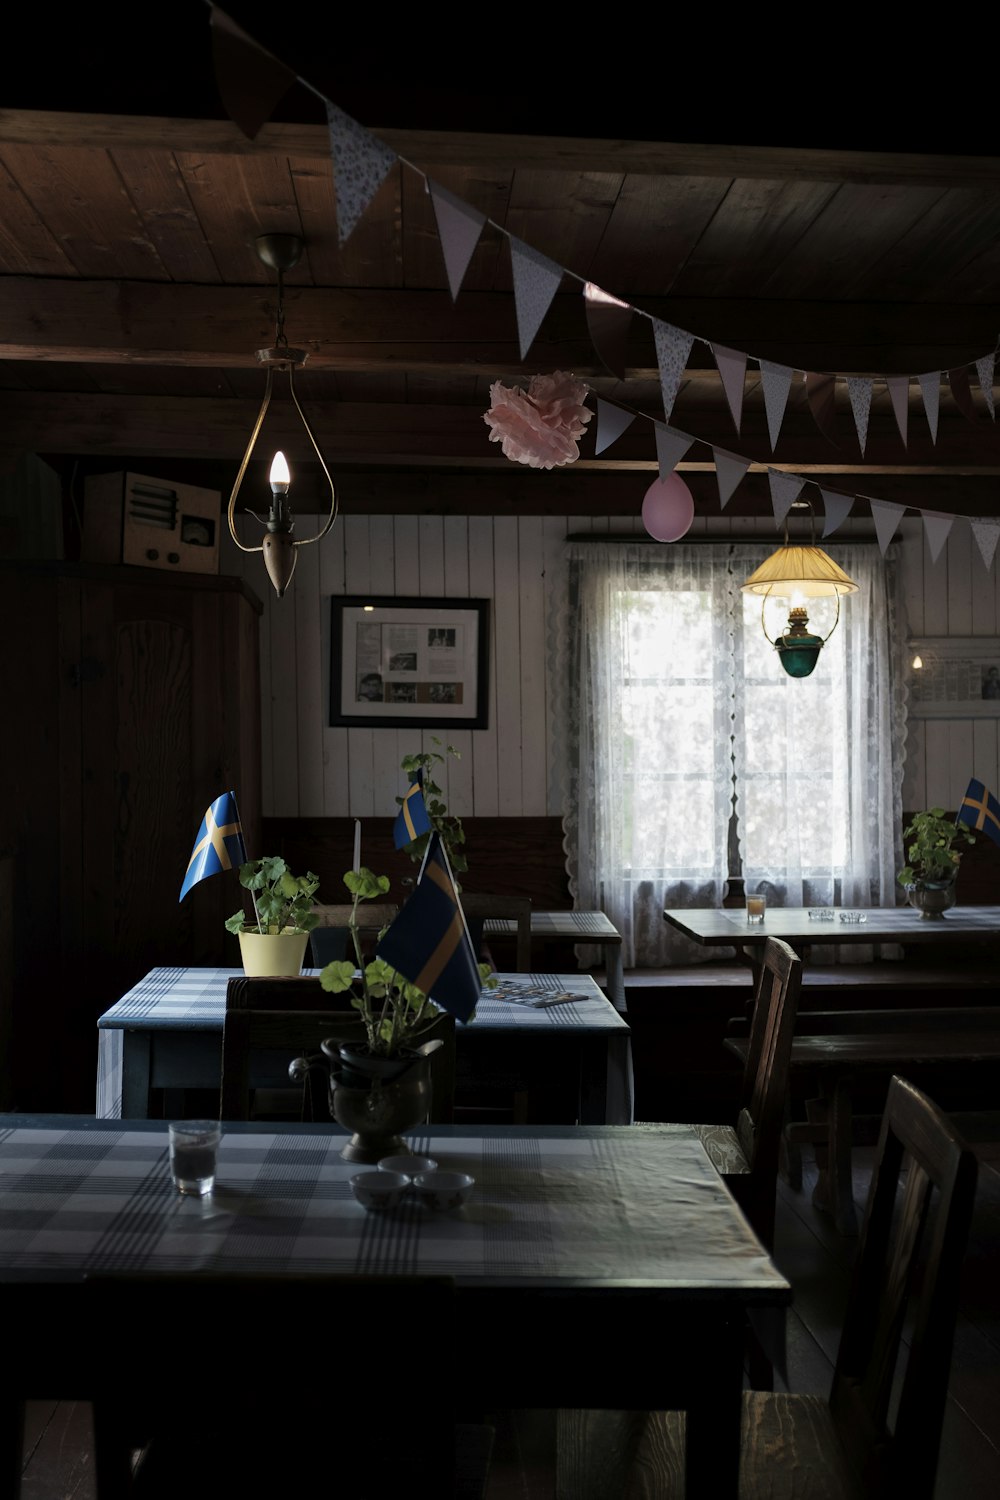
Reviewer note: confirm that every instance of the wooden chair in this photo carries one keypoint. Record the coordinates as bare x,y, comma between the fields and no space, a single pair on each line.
184,1427
290,1018
330,941
878,1434
478,909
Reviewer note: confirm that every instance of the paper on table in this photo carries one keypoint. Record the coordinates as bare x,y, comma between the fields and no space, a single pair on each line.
533,995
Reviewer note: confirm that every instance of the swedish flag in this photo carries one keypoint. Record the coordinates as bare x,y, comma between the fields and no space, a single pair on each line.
980,810
219,845
429,943
412,819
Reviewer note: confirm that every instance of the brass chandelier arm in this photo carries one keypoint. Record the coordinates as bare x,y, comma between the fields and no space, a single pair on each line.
246,459
304,541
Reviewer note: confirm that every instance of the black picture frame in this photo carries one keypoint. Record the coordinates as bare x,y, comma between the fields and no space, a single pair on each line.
398,663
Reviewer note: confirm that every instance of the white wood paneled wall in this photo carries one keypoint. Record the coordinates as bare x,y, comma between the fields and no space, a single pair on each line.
312,770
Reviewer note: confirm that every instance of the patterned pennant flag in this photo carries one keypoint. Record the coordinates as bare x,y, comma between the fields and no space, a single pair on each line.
859,389
733,368
459,227
961,390
361,163
898,387
673,346
219,844
985,368
887,515
936,529
729,470
836,509
671,447
609,321
249,79
980,810
429,943
820,390
536,281
986,533
784,490
611,423
930,385
412,819
776,380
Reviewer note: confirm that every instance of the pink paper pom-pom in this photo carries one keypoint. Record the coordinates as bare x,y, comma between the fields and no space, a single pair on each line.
539,427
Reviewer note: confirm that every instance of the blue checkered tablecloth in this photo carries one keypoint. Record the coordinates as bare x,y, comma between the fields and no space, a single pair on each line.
194,999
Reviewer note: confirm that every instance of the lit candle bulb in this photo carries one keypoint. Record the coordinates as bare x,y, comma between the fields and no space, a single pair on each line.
279,477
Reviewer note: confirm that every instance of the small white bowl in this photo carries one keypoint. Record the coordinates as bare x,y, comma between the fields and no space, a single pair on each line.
442,1190
379,1190
410,1166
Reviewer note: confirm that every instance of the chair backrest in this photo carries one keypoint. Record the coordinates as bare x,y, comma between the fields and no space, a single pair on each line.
289,1018
907,1270
331,939
765,1079
479,909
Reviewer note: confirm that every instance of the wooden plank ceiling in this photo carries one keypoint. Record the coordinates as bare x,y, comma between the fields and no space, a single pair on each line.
132,299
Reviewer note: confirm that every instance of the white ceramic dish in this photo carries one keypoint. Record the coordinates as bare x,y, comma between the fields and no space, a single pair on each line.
379,1190
441,1190
410,1166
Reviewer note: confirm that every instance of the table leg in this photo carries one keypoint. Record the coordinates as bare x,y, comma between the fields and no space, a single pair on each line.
844,1214
715,1418
136,1063
615,975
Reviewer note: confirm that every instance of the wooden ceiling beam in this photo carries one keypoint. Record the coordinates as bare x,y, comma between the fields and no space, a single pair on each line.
423,332
428,149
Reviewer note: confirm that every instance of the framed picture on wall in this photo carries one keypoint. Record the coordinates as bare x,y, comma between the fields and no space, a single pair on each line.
409,663
958,677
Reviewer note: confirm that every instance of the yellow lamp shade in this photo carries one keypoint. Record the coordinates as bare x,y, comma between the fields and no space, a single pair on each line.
808,571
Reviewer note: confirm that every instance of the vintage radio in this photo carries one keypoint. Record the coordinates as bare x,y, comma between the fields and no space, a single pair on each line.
152,523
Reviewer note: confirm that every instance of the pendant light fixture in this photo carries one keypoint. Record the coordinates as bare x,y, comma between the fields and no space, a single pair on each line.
799,573
281,252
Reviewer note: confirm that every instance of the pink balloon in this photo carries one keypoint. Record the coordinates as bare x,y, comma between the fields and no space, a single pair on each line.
667,509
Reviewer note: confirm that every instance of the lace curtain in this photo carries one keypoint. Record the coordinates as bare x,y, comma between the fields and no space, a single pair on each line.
670,713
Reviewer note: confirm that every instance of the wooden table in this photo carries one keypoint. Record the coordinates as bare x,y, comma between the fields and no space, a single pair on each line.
581,1250
575,927
166,1033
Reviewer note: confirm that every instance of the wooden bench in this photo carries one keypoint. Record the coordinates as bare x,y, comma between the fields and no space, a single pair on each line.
841,1047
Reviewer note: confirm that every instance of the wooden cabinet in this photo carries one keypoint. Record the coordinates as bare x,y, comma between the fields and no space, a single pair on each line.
135,701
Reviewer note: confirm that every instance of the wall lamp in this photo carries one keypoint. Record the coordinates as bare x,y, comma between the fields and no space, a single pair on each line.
280,252
797,574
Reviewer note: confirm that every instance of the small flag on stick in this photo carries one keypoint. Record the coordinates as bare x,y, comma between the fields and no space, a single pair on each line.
429,943
980,810
412,819
219,844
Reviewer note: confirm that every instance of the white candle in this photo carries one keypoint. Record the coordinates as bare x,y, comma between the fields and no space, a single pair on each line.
357,844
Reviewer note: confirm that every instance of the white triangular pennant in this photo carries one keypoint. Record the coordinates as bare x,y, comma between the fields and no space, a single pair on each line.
836,509
729,470
671,447
936,529
673,346
536,281
898,387
985,368
776,380
361,163
732,368
886,514
611,423
459,227
987,534
930,385
859,389
784,490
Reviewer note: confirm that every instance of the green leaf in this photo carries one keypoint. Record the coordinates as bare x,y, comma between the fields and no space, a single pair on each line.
337,976
236,922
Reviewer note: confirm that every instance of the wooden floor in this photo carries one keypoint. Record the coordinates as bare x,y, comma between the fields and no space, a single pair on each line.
815,1259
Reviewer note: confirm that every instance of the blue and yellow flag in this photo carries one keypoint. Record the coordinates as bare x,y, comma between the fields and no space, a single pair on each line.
219,845
412,819
980,810
429,943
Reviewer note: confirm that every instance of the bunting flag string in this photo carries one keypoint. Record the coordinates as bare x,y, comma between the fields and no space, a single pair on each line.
819,394
859,391
936,529
459,229
732,366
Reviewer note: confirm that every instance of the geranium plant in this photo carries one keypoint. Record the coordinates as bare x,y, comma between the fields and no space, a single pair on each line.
445,823
282,901
930,843
394,1011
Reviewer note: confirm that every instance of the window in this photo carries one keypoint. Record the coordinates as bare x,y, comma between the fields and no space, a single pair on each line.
691,758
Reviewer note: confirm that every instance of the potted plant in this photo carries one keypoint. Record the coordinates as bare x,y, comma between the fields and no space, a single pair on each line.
931,871
446,824
283,906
